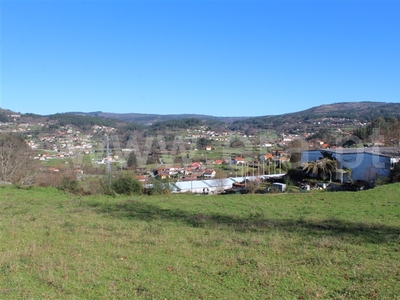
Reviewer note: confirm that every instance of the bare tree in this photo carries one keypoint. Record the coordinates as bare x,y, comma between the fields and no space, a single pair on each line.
220,181
252,186
16,161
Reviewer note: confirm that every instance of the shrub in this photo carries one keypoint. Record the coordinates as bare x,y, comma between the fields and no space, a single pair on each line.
126,184
160,187
69,185
295,175
395,174
95,186
380,180
106,187
52,179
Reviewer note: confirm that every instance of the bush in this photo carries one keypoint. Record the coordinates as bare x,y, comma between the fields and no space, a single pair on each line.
127,185
395,174
106,187
160,187
69,185
295,175
52,179
95,186
381,180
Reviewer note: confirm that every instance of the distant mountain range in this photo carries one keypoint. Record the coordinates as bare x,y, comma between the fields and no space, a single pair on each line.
362,111
147,119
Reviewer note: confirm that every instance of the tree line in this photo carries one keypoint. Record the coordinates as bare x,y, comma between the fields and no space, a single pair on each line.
82,122
388,127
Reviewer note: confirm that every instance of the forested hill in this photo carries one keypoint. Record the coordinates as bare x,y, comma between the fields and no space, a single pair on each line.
148,119
361,111
353,111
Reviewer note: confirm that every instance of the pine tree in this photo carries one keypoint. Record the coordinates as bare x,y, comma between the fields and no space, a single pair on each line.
132,160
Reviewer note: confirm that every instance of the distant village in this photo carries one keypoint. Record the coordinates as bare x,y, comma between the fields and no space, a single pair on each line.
271,153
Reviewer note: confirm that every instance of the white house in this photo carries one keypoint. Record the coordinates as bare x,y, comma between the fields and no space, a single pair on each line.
210,173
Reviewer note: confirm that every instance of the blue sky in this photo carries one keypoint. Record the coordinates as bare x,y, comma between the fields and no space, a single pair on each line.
221,58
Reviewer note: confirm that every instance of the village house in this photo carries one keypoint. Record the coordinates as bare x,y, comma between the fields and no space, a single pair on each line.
163,175
141,178
267,156
238,161
196,165
209,173
187,171
218,162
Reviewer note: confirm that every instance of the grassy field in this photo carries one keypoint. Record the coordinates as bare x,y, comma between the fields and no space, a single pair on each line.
303,246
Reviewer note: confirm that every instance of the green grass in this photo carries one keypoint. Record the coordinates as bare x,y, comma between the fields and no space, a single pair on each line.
280,246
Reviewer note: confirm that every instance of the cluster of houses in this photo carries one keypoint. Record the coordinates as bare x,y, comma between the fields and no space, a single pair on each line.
364,163
202,132
192,172
48,156
61,141
103,129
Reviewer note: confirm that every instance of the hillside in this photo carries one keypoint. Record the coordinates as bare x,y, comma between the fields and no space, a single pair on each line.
350,112
364,111
331,115
147,119
360,111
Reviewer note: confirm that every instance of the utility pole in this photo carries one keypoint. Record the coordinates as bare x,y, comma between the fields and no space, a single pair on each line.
245,177
230,162
108,160
258,167
263,166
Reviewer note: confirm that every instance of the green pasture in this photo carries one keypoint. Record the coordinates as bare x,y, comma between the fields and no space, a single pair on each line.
319,245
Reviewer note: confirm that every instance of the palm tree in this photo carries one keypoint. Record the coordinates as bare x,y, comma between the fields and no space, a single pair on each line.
310,168
320,168
327,166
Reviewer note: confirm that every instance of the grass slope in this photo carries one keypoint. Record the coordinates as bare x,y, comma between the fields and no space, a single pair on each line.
302,246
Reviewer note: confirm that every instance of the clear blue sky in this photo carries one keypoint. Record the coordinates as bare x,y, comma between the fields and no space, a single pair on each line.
221,58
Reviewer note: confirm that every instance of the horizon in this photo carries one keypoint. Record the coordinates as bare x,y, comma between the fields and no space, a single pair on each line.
240,59
177,114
